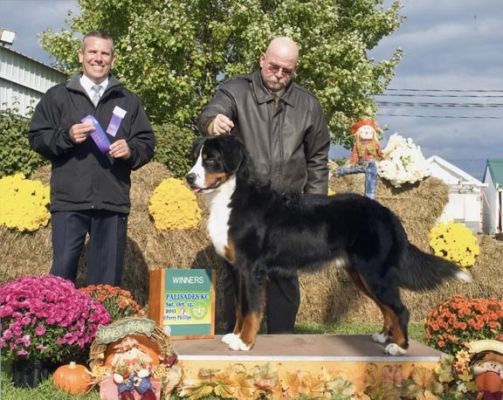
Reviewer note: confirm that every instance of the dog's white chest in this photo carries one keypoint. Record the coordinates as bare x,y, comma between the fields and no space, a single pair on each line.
218,220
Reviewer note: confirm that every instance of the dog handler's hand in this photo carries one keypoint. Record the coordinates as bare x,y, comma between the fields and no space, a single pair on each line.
221,124
79,132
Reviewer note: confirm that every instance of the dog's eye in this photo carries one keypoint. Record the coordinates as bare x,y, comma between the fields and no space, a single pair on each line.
210,162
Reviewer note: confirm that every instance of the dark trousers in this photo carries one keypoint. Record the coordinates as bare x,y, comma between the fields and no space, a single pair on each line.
282,301
105,251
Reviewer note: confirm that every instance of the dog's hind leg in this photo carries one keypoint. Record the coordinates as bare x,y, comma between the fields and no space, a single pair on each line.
388,296
399,337
395,314
380,337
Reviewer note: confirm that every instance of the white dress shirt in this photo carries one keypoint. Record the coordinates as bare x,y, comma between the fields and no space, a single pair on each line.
87,84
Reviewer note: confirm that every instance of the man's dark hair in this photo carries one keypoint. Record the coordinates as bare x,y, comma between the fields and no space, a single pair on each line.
98,34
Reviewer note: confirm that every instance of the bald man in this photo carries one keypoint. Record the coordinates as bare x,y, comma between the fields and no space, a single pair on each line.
283,128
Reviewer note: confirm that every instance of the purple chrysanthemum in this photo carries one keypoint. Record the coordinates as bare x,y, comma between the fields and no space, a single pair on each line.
47,317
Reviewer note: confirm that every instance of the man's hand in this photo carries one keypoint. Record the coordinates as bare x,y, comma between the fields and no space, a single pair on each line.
120,149
220,124
80,132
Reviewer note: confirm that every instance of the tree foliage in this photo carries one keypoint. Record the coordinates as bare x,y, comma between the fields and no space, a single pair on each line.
173,53
174,147
16,154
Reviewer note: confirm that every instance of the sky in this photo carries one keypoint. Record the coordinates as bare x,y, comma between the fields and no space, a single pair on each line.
453,47
456,48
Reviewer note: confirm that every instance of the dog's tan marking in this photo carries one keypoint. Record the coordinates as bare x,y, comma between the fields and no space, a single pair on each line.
397,334
251,326
211,178
388,320
252,320
385,311
230,251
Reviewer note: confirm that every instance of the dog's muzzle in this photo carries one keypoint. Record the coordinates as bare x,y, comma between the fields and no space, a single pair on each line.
191,179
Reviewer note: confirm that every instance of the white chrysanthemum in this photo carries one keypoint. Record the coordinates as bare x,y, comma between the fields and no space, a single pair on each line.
404,162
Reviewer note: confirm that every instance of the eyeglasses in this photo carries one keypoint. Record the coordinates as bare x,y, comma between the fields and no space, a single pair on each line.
275,68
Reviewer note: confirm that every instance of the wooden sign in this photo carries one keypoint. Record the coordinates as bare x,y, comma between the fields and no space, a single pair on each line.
182,302
121,328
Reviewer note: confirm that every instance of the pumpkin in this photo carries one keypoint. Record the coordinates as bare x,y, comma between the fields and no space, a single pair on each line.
72,378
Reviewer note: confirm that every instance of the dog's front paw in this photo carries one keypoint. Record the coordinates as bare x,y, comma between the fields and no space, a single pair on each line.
239,345
229,338
380,337
394,350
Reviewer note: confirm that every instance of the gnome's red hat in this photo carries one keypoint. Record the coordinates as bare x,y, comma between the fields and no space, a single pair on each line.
363,122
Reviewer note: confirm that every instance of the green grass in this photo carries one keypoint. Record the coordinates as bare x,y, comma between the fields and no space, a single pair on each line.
47,391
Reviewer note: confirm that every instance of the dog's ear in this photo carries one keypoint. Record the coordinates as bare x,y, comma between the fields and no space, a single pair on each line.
196,147
233,151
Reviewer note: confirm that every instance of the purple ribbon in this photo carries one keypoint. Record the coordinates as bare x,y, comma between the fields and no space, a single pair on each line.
99,137
115,122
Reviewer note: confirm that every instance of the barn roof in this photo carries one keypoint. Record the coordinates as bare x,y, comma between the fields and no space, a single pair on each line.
495,168
451,174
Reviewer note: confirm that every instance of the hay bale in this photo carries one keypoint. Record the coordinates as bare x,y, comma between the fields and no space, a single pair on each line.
326,296
24,253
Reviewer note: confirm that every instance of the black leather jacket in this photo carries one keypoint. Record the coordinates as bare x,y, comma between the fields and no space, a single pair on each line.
288,144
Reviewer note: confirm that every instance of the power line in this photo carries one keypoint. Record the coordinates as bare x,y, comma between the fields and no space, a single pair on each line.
446,90
440,95
461,94
437,116
439,105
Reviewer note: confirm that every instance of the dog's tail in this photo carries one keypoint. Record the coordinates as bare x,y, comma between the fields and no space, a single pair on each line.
423,271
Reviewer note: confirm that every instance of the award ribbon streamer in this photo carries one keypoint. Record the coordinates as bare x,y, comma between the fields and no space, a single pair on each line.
99,137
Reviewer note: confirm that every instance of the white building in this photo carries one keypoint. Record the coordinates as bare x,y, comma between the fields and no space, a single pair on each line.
493,178
24,80
465,194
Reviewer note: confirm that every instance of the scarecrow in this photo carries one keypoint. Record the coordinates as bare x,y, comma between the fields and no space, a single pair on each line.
366,151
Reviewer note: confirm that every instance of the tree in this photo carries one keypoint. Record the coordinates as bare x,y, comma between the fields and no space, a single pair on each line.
173,53
16,154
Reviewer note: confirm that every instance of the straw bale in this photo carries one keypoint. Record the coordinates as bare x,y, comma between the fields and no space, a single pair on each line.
326,296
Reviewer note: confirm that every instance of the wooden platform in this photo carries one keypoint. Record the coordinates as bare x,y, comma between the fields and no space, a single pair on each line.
346,355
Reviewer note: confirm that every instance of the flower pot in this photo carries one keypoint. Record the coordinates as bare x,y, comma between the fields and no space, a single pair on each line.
27,373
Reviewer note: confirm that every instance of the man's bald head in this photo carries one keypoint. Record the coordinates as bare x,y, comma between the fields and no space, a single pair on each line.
284,47
278,63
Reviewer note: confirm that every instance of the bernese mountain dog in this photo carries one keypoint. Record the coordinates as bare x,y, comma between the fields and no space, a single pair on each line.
258,230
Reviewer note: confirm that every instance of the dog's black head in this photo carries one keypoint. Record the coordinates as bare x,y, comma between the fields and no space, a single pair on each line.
217,159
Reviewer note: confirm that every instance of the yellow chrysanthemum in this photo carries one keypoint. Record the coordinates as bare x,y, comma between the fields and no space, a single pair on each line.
174,206
455,242
23,203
